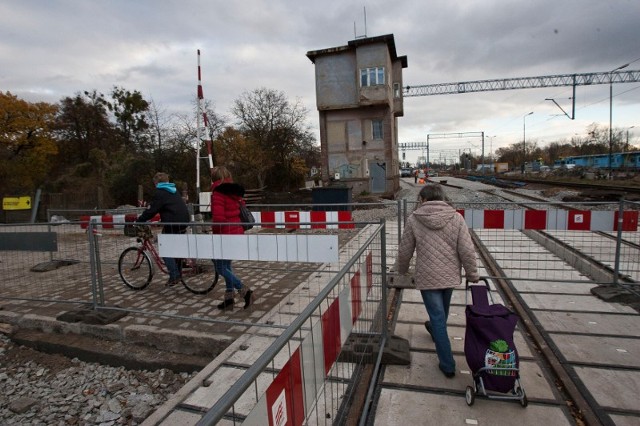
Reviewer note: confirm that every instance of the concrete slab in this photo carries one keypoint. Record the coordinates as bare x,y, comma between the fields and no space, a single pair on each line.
523,249
185,418
423,373
607,351
553,287
612,388
204,397
558,302
532,256
543,274
587,323
621,420
404,407
527,263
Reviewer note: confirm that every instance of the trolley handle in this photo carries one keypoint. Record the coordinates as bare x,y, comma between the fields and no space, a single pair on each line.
467,289
483,279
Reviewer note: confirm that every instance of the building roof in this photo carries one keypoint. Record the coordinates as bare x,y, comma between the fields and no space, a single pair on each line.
353,44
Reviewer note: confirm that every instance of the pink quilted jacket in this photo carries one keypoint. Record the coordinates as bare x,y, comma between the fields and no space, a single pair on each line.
440,237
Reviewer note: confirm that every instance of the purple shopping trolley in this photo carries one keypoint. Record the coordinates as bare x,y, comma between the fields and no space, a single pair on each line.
489,348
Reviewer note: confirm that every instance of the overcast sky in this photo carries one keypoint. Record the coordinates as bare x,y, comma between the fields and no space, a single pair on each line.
50,49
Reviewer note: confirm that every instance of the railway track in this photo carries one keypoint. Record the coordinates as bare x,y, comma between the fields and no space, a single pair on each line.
586,347
617,190
580,400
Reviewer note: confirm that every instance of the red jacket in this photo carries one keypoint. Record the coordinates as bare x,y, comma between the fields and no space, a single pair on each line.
226,197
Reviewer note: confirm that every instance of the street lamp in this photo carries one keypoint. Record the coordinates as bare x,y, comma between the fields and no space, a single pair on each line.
524,140
611,118
491,151
626,145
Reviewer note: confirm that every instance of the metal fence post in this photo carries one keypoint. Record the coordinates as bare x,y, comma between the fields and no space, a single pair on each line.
383,267
401,219
94,262
616,267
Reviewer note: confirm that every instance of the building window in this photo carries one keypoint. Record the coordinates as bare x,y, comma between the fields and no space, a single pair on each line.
376,129
396,90
371,76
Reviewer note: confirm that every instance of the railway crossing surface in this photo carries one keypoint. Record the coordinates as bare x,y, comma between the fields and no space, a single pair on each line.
579,354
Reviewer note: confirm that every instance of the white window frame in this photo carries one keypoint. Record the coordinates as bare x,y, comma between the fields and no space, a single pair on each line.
373,76
396,90
377,129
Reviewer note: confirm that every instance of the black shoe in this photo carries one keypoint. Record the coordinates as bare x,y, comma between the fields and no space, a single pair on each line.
427,325
248,298
448,374
225,304
173,281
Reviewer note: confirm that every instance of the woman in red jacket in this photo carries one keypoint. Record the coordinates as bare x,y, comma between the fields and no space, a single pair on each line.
226,197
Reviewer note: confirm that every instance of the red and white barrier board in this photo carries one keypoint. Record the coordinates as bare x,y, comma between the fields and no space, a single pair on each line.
308,219
565,220
292,394
268,219
115,221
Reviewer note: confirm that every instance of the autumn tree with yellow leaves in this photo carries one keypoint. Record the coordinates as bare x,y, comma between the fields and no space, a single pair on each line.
27,144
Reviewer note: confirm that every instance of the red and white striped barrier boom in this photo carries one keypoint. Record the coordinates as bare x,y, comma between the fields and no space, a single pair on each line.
563,220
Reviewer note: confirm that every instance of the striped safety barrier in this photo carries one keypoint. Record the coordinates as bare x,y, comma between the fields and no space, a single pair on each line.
556,219
116,221
292,395
566,220
308,219
267,219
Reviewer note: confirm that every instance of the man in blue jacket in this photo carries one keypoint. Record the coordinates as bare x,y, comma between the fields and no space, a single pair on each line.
168,202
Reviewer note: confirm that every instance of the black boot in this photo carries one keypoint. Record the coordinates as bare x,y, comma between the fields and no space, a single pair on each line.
225,304
248,298
227,301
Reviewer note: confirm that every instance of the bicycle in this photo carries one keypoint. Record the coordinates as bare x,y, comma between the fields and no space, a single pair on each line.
136,268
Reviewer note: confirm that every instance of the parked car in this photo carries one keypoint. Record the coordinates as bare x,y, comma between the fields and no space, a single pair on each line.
406,173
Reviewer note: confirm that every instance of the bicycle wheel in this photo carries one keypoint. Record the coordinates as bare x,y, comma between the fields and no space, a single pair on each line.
134,267
199,278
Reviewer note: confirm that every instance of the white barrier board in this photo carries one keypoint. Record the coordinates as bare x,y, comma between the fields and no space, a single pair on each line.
256,247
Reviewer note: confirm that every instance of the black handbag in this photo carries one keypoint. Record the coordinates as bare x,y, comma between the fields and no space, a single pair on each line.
246,217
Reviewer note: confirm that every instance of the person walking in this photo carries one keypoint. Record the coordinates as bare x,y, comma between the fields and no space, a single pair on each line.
440,237
226,197
169,204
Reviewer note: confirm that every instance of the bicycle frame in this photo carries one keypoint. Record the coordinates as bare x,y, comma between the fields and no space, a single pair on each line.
135,266
147,245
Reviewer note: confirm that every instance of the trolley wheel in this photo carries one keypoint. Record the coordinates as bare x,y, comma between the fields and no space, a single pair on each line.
199,278
524,401
470,395
134,267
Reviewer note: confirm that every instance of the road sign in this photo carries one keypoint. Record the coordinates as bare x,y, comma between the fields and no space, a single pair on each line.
16,203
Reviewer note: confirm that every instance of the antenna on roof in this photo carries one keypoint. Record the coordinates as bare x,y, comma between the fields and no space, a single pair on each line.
365,26
365,20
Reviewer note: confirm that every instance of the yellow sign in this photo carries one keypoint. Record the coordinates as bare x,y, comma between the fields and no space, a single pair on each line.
16,203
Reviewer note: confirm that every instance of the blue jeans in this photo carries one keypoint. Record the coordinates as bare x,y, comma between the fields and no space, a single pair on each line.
223,267
437,303
173,266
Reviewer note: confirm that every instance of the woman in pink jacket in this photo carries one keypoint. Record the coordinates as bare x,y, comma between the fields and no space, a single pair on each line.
440,237
226,197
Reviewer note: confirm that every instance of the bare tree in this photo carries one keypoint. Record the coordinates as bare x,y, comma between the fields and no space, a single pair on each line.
278,127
